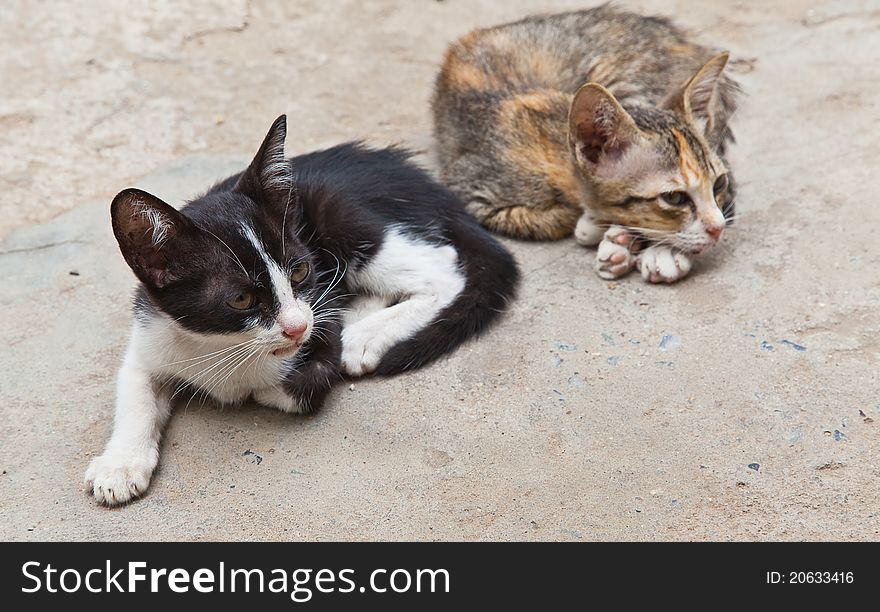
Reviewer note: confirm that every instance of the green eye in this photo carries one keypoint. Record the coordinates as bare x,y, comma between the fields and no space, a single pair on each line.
243,301
676,198
720,184
300,272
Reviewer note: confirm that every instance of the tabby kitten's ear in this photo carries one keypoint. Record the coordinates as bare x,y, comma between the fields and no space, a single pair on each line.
154,238
270,176
599,129
697,100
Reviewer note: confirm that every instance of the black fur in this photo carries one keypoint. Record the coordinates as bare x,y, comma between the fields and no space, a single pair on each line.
348,210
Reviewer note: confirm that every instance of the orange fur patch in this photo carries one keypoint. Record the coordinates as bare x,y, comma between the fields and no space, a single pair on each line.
461,75
687,162
538,150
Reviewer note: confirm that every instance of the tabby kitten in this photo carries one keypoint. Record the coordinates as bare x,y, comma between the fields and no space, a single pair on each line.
600,122
283,277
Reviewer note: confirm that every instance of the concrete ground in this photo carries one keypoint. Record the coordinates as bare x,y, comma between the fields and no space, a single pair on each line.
743,403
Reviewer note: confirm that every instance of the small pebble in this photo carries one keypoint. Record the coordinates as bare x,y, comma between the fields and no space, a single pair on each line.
839,435
575,381
256,460
669,341
351,387
754,466
798,347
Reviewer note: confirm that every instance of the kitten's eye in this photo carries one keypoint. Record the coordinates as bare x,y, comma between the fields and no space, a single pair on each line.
676,198
720,184
300,272
243,301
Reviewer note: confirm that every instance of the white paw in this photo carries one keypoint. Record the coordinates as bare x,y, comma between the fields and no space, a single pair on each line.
615,256
361,349
661,264
586,232
118,478
277,398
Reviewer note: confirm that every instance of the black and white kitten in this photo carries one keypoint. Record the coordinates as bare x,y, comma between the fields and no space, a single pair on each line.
284,277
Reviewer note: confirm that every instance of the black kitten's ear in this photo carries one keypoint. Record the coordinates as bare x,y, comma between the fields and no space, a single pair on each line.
599,129
154,237
270,175
697,101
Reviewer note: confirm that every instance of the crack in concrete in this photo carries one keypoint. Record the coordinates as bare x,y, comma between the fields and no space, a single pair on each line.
41,247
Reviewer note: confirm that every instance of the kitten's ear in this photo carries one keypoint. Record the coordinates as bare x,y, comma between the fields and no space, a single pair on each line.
270,175
154,237
599,129
697,100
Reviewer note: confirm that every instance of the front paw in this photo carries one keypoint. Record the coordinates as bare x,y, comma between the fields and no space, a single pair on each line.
587,233
277,398
661,264
117,478
361,349
303,390
615,256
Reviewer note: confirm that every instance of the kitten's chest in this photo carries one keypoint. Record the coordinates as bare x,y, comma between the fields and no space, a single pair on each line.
226,371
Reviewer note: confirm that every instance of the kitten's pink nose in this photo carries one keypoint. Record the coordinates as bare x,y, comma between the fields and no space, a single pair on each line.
294,331
715,231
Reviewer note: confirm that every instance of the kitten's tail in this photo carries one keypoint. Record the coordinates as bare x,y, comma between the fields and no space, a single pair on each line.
492,277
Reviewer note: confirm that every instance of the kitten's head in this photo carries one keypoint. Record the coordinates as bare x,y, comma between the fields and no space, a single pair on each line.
230,262
657,169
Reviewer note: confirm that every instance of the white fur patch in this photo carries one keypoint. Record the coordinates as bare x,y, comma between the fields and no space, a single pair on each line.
277,172
638,161
292,312
159,224
422,279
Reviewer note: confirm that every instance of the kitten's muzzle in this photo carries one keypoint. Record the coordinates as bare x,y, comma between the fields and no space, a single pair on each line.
294,331
288,350
715,232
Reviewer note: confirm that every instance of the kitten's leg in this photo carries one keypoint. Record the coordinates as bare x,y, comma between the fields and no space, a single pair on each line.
662,264
123,472
277,397
366,342
424,277
363,306
616,256
586,232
